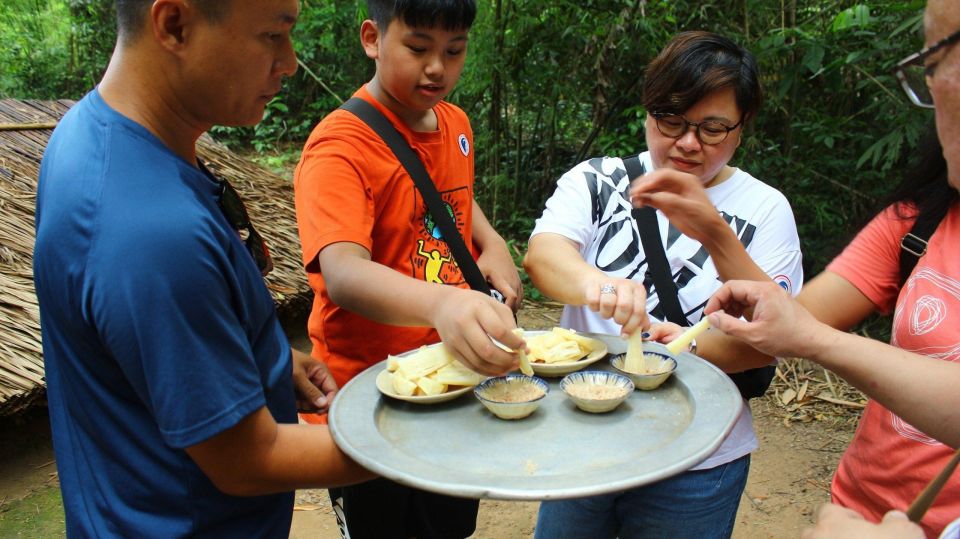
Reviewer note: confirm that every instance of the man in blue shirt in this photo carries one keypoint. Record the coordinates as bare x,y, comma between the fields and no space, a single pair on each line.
170,382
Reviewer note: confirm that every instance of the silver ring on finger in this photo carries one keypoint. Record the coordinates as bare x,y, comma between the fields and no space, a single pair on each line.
608,289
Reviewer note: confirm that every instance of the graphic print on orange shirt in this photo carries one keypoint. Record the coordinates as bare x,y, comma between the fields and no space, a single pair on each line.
432,260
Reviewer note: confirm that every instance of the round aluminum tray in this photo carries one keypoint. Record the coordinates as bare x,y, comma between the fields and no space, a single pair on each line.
461,449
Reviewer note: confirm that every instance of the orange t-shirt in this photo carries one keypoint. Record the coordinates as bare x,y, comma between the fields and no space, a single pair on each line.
350,187
889,462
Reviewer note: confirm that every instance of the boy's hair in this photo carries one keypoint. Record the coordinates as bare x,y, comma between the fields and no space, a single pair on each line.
450,15
132,13
695,64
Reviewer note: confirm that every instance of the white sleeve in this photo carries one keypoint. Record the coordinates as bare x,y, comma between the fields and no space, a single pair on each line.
776,249
569,211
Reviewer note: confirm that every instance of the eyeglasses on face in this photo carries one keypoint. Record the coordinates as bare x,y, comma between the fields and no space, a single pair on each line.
236,214
915,74
710,132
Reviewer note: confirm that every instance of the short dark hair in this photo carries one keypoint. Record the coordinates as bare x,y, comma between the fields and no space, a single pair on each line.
695,64
447,14
132,13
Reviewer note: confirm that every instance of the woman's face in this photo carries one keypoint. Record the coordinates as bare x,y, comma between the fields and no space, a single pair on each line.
942,19
687,153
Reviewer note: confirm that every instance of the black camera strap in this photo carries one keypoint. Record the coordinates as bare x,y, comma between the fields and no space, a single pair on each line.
657,263
421,179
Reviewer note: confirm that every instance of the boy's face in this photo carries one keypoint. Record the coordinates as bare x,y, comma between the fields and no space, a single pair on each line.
416,67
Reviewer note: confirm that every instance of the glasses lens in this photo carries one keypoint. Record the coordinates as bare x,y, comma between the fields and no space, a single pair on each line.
712,132
671,125
913,78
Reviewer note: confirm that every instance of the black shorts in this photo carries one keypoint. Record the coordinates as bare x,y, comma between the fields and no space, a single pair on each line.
382,509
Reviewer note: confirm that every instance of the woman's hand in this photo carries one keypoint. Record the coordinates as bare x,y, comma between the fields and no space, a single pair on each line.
623,300
780,326
313,383
664,332
682,198
835,522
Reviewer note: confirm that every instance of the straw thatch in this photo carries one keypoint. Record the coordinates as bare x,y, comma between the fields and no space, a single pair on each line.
25,127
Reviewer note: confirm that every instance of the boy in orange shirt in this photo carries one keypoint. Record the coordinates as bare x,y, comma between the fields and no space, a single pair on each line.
384,278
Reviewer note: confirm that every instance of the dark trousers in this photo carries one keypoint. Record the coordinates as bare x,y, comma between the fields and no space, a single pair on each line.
382,509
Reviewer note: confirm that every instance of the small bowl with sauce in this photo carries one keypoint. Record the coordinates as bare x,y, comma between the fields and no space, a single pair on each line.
659,367
596,392
513,396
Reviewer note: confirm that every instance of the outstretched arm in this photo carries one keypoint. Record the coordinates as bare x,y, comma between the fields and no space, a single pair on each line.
258,456
465,319
557,269
902,381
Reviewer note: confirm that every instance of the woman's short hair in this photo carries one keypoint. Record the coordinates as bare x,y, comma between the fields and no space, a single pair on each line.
695,64
131,14
451,15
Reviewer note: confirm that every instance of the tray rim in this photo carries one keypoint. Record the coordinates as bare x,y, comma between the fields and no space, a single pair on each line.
382,458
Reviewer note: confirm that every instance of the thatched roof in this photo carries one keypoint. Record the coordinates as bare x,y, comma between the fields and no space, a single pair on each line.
25,127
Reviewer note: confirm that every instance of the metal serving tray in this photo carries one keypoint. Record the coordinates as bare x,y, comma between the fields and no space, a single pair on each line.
461,449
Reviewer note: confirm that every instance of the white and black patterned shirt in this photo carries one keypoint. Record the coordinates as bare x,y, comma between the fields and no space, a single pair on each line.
591,208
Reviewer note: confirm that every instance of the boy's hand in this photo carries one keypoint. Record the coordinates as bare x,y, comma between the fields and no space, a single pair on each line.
466,320
313,384
498,269
623,300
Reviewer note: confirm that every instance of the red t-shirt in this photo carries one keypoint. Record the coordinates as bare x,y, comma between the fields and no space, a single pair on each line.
889,462
350,187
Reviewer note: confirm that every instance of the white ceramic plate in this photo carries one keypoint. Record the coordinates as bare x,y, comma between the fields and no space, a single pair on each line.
386,387
562,369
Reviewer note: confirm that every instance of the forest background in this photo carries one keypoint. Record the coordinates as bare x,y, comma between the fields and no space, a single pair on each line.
550,83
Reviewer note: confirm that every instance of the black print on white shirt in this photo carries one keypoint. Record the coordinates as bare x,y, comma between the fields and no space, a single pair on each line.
619,250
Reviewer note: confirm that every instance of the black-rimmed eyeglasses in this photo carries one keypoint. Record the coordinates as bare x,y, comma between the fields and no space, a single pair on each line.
236,214
709,132
915,76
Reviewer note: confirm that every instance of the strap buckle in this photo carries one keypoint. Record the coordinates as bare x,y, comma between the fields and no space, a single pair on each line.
913,245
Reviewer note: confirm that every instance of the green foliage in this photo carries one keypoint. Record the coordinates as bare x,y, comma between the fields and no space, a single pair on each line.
549,83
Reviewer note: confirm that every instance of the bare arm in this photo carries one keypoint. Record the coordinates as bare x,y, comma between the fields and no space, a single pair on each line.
495,261
555,266
904,382
258,456
465,319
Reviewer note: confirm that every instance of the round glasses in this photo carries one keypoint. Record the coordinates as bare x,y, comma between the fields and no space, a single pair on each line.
709,132
914,73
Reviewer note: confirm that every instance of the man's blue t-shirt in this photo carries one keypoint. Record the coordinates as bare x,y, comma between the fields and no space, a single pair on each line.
158,334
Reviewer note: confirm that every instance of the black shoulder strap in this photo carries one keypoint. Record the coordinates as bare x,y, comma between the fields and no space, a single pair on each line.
421,178
913,245
649,230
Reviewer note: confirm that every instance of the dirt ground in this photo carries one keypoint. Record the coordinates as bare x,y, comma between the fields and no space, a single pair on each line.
800,444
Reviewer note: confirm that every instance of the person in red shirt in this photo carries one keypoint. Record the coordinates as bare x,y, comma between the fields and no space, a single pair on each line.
908,431
383,275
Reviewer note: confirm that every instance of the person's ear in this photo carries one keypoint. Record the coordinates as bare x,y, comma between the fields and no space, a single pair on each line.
370,39
169,20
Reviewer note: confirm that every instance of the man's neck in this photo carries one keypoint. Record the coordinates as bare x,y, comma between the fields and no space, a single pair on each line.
141,95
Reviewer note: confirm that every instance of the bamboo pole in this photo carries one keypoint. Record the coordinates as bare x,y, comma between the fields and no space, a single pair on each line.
27,127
